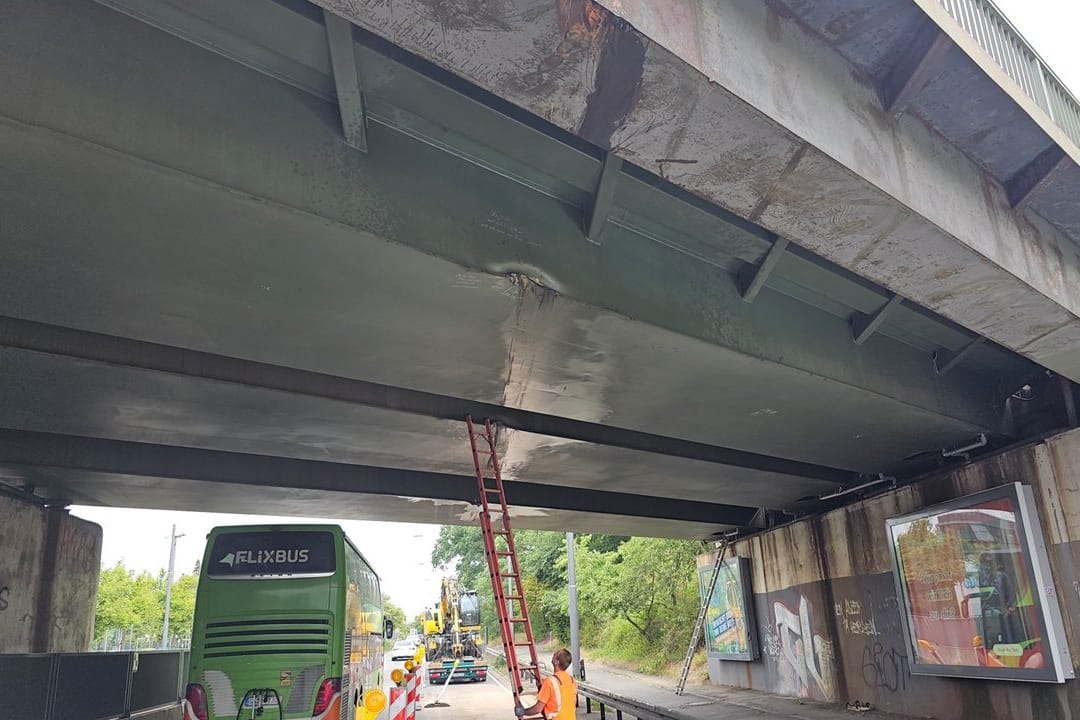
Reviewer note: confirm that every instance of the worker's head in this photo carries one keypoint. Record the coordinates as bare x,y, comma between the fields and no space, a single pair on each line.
561,659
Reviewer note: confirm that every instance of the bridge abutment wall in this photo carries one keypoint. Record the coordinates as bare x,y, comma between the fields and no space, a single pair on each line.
831,578
49,565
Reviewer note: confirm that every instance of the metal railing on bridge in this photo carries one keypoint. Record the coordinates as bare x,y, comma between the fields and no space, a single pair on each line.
1007,47
89,686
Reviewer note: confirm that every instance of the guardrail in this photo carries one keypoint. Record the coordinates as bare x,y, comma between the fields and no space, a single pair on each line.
621,704
90,686
1007,47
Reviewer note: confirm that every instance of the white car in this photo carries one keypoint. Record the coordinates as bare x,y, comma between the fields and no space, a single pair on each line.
403,650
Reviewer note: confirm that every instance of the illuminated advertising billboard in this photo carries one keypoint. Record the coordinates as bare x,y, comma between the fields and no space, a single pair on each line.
975,589
729,621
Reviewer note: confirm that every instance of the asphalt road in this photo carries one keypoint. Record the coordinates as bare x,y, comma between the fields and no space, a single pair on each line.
470,701
488,700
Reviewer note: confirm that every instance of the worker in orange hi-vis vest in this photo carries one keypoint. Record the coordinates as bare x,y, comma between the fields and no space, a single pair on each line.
557,695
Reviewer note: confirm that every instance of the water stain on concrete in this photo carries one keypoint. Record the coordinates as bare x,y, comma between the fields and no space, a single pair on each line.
620,68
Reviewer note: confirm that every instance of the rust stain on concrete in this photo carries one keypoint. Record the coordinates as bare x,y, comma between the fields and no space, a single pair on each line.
619,53
759,208
575,54
581,17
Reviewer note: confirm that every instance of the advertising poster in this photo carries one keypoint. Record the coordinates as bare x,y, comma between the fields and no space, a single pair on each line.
728,620
971,576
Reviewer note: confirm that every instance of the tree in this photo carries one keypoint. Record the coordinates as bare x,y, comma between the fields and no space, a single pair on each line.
606,543
646,585
460,549
135,605
182,605
930,556
396,615
542,555
637,597
115,601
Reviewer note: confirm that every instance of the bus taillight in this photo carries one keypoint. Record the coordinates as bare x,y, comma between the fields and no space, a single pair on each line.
196,698
329,687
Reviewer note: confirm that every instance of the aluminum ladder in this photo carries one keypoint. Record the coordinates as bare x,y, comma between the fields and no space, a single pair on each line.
696,636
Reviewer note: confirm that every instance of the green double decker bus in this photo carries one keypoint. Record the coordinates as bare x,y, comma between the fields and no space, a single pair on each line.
288,624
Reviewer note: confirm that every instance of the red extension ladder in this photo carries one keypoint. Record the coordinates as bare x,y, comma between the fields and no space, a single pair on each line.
502,559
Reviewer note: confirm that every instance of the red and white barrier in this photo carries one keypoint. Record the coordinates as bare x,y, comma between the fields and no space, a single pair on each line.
419,687
399,703
412,689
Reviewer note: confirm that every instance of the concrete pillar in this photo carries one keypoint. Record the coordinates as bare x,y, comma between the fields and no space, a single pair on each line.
49,565
22,537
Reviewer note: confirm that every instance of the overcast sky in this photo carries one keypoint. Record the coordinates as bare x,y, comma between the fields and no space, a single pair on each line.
1050,26
400,552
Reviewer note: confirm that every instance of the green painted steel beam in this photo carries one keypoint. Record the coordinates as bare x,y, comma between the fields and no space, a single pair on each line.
224,201
61,455
349,93
417,194
69,342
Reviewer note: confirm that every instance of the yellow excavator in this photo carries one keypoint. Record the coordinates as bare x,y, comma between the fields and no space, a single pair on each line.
453,636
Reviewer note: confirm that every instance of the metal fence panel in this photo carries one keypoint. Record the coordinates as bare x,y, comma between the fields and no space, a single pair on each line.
24,686
185,659
91,686
156,680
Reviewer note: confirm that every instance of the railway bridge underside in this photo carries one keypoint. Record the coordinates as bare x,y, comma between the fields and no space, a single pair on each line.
257,259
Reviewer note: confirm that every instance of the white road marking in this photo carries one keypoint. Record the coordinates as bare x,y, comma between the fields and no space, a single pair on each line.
491,676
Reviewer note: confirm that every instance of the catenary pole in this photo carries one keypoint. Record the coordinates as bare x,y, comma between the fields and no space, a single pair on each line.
168,587
571,590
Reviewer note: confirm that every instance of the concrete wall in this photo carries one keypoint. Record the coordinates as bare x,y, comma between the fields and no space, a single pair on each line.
49,564
835,572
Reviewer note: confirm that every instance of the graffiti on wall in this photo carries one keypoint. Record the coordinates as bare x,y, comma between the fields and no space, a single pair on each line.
770,642
852,619
884,668
78,547
5,592
805,658
835,641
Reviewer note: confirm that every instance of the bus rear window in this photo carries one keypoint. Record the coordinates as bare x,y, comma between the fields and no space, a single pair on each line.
272,554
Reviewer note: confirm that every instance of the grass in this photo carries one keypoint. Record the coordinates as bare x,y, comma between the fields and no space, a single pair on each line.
621,646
